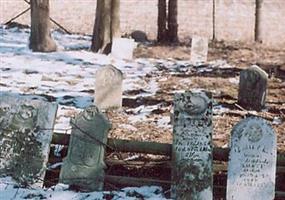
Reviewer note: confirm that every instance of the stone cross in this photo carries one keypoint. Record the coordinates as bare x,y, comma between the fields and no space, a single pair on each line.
108,88
252,88
25,135
122,48
199,49
252,161
84,165
192,147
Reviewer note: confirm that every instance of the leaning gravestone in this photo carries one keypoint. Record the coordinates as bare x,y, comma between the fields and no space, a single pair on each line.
192,147
108,88
199,49
123,48
25,135
84,165
252,161
252,88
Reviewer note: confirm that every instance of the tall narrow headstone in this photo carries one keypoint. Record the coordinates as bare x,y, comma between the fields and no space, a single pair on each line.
123,48
84,165
25,135
192,147
108,88
199,49
252,161
252,88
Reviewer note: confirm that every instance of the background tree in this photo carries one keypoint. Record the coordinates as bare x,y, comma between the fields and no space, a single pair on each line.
167,21
107,25
161,21
40,38
172,21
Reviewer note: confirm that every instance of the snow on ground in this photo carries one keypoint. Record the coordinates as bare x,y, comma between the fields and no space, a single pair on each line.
68,77
10,191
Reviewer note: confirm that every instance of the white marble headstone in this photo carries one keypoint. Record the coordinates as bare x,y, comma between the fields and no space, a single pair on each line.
108,87
123,48
199,49
252,162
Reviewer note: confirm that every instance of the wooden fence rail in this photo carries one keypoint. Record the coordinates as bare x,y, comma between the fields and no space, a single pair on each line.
220,154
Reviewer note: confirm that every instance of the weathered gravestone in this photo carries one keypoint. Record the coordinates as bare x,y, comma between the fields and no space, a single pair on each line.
84,165
199,49
192,147
25,135
252,161
122,48
252,88
108,88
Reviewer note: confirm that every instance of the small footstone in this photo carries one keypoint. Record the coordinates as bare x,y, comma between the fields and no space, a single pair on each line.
84,165
252,161
192,147
252,88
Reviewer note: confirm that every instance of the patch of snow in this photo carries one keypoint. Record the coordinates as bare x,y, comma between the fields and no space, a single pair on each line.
164,122
141,113
219,109
10,190
128,126
276,121
234,80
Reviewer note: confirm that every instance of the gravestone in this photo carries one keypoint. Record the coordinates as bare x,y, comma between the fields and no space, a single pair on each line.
25,135
252,161
122,48
252,88
108,88
139,36
199,49
84,165
192,147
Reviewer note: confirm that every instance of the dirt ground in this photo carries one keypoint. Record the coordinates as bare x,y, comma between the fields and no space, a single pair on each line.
223,84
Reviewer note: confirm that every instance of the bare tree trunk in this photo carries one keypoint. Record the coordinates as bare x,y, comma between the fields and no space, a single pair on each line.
107,25
258,4
115,18
40,38
172,21
161,21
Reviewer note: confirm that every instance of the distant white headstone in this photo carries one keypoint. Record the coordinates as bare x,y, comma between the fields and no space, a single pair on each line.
199,49
25,135
108,88
192,147
123,48
252,162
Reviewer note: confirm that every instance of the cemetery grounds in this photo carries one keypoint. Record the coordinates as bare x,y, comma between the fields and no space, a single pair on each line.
151,80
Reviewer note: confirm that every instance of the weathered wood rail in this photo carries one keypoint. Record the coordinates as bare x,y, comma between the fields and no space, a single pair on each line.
220,156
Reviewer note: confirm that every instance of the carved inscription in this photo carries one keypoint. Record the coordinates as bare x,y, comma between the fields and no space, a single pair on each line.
192,146
252,164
